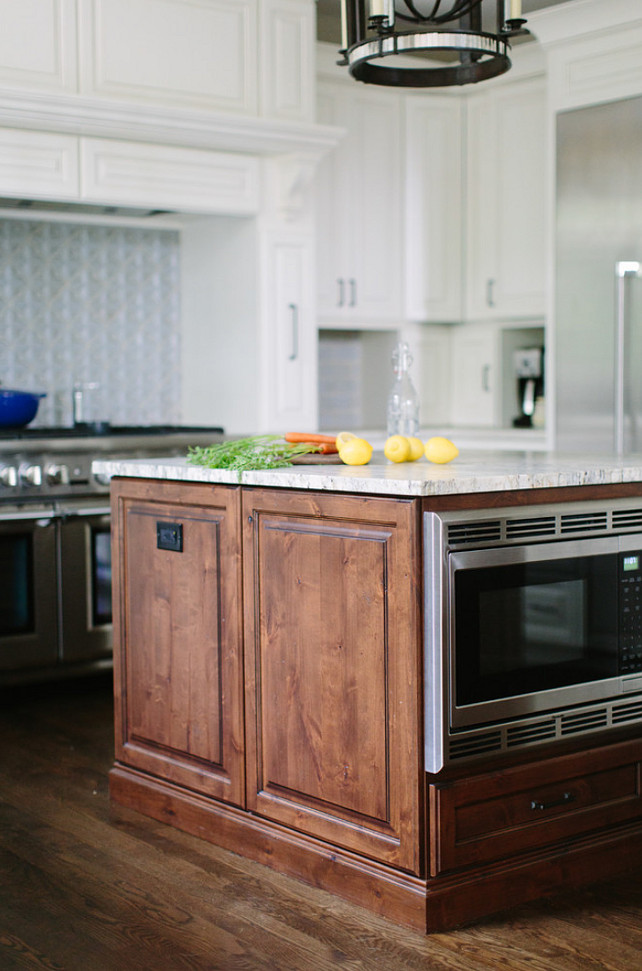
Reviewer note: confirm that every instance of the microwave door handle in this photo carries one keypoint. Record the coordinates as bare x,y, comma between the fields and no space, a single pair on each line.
623,269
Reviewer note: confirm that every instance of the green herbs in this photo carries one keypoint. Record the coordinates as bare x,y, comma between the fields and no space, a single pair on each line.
248,454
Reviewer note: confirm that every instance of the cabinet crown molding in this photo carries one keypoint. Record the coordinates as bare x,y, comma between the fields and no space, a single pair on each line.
168,126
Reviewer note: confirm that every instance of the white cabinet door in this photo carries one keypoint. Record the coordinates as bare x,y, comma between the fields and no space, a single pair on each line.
140,174
289,345
38,165
38,44
359,207
433,209
506,192
475,378
201,53
287,29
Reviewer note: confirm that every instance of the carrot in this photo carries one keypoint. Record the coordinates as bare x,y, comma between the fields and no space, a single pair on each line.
310,437
326,448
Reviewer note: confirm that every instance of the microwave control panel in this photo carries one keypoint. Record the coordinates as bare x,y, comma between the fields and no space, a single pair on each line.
631,613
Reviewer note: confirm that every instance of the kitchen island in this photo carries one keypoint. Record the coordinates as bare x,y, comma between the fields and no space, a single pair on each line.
269,685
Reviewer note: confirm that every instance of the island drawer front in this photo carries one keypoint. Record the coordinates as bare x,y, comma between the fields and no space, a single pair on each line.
500,814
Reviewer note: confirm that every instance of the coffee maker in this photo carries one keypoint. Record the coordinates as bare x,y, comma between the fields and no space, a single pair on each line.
529,371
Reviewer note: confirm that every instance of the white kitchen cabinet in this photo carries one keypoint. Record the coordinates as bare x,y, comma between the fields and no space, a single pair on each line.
38,165
200,54
359,206
506,192
167,177
38,48
433,208
287,40
475,374
289,357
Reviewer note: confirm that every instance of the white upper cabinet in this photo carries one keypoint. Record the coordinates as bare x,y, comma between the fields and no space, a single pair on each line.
240,57
359,206
196,53
433,208
38,48
506,191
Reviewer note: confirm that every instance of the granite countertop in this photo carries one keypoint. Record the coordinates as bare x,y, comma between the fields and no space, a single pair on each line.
470,472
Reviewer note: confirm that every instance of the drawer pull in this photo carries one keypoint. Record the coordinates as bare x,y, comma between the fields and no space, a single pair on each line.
538,806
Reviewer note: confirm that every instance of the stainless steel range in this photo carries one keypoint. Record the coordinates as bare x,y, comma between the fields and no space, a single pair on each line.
55,561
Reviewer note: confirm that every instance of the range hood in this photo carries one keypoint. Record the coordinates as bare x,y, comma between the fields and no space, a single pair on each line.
37,206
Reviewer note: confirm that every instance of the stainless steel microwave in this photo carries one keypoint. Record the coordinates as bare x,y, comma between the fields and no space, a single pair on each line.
533,626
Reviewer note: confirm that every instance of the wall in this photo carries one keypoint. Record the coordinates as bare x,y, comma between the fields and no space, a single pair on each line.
92,303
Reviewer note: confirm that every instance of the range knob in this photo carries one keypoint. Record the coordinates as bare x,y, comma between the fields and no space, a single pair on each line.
56,474
30,475
8,475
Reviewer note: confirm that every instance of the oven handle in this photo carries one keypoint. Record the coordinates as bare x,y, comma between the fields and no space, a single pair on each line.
66,512
46,515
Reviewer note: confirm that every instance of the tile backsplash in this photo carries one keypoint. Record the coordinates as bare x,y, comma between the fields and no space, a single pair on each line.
92,303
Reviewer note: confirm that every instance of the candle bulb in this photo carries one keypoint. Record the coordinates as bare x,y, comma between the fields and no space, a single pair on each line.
377,8
515,9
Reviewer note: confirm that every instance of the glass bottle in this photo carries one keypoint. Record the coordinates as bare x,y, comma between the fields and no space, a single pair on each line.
403,401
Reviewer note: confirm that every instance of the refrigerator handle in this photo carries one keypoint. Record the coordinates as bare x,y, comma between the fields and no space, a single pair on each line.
623,268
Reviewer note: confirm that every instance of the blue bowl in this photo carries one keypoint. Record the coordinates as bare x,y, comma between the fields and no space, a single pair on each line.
18,408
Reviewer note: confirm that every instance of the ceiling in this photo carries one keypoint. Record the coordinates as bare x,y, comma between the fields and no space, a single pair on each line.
329,17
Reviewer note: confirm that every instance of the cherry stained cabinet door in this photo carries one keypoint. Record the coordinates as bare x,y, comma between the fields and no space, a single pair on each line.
333,669
178,634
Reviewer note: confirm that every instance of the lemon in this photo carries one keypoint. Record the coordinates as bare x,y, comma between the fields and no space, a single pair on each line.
416,449
342,438
440,450
397,448
356,451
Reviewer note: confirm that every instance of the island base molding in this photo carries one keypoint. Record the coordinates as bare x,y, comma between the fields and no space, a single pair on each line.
428,906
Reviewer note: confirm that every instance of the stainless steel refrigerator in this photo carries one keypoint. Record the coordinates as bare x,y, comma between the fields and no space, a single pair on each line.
598,325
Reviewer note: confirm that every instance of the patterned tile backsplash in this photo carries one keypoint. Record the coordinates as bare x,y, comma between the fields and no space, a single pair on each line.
92,303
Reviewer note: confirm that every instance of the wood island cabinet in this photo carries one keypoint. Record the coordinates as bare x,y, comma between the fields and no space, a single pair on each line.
269,698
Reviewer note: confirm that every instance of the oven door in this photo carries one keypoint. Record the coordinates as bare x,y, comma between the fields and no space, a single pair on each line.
28,588
85,580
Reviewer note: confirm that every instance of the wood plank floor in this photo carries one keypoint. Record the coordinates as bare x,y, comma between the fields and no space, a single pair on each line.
89,887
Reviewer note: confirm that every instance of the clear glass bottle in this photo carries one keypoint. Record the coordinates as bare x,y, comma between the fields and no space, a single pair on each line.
403,401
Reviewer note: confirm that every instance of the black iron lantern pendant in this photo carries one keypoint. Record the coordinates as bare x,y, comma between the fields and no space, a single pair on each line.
435,47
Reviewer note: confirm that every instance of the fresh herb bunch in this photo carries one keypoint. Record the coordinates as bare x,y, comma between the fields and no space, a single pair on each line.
247,454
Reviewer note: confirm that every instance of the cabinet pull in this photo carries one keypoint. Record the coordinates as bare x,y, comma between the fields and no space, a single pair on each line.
490,295
342,293
486,377
353,292
295,331
538,806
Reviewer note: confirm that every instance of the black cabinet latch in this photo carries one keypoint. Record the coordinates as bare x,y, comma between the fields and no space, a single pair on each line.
169,536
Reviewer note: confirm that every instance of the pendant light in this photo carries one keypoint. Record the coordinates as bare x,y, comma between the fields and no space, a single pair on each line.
382,38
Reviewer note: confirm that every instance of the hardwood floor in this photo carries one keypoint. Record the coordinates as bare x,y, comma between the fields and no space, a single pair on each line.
88,887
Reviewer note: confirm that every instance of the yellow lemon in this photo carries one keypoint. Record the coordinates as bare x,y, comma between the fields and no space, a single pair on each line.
356,451
342,438
416,449
440,450
397,448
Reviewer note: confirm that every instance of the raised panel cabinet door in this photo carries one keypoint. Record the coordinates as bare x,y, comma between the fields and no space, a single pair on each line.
177,633
287,38
507,137
474,366
38,45
192,53
333,669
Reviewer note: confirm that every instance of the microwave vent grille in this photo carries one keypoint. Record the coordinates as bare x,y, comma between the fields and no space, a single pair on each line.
467,747
584,522
584,721
524,734
535,526
627,518
482,531
629,711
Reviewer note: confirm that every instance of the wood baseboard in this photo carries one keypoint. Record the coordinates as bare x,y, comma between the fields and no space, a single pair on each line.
434,905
